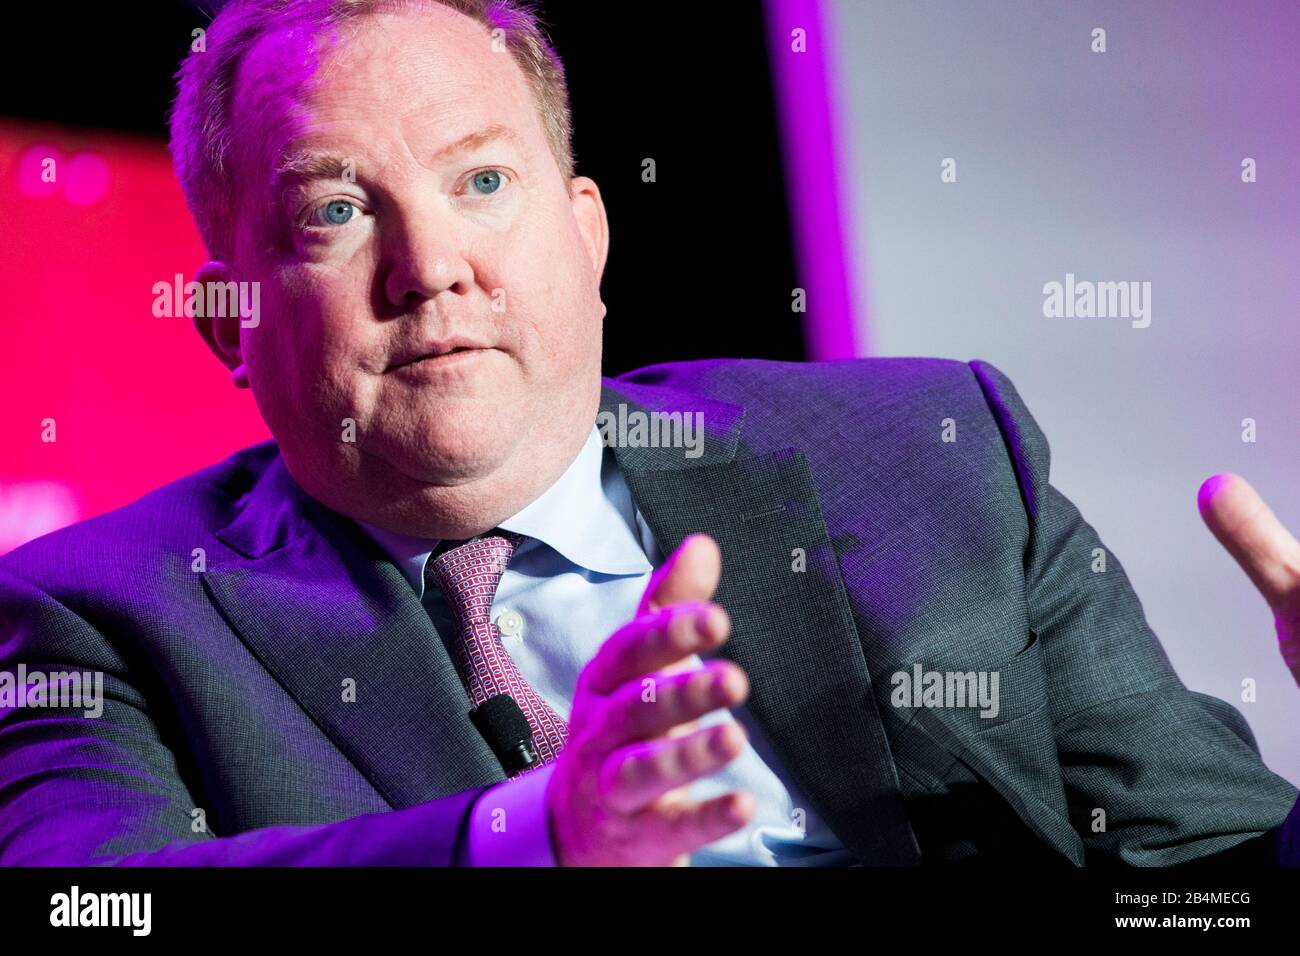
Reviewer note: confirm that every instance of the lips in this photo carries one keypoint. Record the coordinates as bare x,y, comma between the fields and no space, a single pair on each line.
435,350
433,355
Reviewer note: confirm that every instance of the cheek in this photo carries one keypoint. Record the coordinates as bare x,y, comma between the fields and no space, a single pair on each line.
323,313
301,342
556,306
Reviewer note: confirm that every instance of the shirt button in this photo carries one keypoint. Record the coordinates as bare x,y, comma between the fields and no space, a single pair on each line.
510,623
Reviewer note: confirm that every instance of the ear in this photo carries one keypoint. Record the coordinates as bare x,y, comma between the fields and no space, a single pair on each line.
589,211
221,332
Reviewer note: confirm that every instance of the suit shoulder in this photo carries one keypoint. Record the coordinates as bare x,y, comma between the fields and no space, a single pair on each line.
185,511
880,381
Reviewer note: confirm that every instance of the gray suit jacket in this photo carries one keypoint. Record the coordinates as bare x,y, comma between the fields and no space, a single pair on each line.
223,685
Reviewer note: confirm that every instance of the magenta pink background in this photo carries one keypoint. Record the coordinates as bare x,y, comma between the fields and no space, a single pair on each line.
137,400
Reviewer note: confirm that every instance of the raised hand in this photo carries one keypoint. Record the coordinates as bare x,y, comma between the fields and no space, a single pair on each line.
618,794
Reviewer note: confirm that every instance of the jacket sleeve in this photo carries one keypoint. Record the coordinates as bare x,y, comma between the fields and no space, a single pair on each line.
79,788
1176,775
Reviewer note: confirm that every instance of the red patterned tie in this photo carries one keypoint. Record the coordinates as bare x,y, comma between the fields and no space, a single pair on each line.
467,575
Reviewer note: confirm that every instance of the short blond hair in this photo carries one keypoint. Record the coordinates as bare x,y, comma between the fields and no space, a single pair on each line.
201,122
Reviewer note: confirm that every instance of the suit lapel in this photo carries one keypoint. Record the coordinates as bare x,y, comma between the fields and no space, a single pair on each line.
319,604
793,632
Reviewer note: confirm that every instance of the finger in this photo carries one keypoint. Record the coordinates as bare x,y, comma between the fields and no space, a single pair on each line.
684,826
691,573
633,777
1252,534
654,641
637,711
1266,551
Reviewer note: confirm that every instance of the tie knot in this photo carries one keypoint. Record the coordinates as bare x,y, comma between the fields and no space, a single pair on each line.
468,572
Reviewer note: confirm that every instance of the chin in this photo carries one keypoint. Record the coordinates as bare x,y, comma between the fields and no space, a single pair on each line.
442,453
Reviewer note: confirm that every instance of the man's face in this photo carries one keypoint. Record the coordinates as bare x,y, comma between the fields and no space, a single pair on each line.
414,207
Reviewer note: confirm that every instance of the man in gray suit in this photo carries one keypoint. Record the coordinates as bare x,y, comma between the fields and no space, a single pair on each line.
810,614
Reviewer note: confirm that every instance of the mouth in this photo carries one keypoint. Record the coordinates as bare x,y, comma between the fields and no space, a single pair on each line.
437,362
435,358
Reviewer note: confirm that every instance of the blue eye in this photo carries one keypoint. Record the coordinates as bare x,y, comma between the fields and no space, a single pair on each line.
488,181
338,211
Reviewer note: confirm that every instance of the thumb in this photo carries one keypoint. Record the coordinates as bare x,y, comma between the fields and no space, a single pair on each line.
691,573
1264,549
1253,535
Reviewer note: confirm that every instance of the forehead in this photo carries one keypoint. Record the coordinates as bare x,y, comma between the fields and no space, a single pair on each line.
385,82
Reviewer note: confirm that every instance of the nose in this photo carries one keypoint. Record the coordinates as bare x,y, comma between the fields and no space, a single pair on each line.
425,257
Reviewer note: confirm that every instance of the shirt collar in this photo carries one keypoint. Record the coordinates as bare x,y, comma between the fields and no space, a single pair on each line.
587,515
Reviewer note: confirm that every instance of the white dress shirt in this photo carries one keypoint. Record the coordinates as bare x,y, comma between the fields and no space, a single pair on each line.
578,578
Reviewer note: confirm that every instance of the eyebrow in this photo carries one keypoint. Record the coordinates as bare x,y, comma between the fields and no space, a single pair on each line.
303,166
